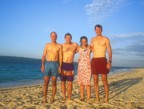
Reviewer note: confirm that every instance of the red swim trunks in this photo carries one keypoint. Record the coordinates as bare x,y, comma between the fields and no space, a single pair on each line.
98,66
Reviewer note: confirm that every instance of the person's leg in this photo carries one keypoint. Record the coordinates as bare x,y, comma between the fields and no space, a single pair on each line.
81,91
63,87
106,88
88,88
45,88
69,89
54,88
95,76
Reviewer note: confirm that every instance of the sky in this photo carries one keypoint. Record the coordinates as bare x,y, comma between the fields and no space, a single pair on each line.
25,26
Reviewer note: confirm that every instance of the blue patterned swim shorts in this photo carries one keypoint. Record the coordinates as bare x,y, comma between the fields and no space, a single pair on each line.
51,68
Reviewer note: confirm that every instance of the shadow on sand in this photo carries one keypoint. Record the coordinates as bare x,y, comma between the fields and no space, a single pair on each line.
121,86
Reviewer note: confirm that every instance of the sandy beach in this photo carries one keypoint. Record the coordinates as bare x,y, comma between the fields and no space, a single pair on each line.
126,92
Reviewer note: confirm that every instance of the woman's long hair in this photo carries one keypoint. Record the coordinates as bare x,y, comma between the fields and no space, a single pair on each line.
83,37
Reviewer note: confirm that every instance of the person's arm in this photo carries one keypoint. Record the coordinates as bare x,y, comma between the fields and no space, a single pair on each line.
109,53
43,59
78,47
91,45
60,59
90,48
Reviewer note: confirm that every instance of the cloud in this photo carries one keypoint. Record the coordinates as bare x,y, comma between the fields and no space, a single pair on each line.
129,44
128,35
126,38
100,9
135,48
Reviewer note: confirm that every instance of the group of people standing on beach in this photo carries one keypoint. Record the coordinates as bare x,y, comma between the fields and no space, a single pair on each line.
57,60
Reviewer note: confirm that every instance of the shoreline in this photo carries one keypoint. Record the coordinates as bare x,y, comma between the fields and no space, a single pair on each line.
27,83
126,92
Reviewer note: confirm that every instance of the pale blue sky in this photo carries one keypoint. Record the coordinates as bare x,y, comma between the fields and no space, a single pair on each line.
25,26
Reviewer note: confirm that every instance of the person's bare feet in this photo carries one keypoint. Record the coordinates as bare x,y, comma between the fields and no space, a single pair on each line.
106,101
52,100
81,99
64,100
45,101
97,101
69,100
88,98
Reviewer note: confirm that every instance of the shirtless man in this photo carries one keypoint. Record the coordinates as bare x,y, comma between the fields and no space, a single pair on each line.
51,65
67,74
99,64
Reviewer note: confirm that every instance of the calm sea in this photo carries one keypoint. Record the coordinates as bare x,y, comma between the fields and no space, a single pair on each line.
17,71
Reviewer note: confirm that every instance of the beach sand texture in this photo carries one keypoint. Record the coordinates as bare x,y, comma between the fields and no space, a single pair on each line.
126,92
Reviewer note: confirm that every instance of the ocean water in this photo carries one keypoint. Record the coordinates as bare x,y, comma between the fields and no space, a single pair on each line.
17,71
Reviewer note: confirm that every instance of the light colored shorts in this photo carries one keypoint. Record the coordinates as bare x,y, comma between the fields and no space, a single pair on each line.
51,68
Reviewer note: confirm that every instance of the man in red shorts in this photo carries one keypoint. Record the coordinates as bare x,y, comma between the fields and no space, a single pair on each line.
99,64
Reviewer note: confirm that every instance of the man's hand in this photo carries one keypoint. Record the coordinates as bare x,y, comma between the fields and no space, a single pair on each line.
59,70
108,66
42,68
78,60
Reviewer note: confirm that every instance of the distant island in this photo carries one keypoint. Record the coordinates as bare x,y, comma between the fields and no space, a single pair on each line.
14,59
20,60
